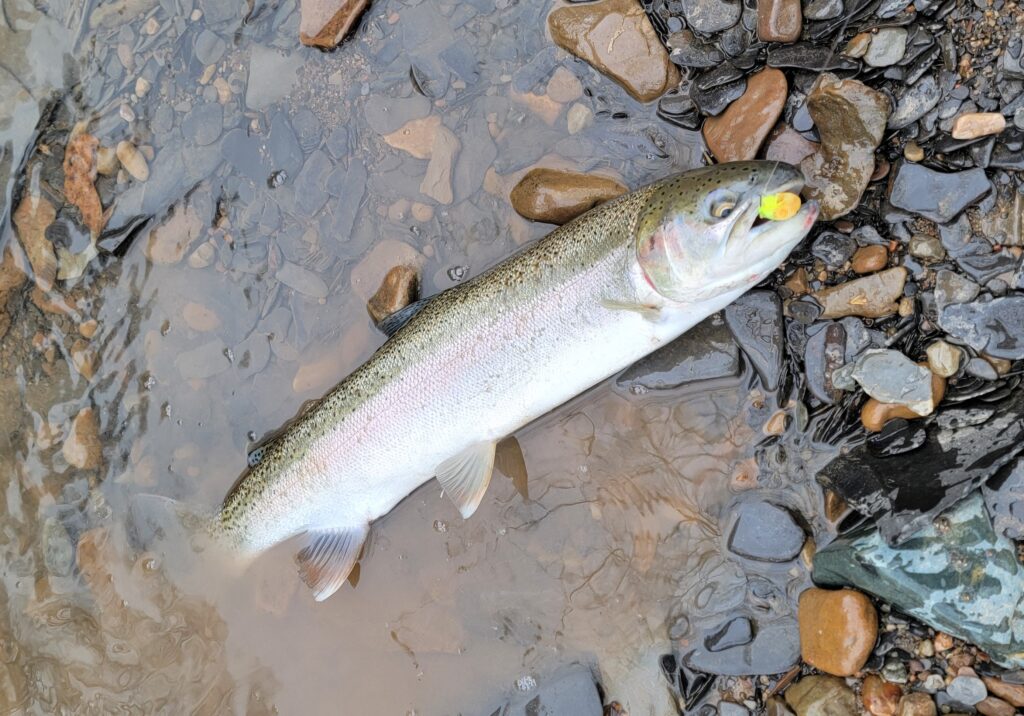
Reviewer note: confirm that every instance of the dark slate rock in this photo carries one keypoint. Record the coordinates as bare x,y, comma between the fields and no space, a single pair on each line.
706,351
896,437
707,16
995,327
833,248
891,8
755,319
823,9
677,107
951,287
936,195
765,532
724,74
774,649
965,446
807,56
826,351
688,51
956,574
916,101
735,632
714,101
572,691
1004,497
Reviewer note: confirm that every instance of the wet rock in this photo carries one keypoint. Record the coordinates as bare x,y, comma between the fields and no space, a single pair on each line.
833,248
890,377
785,144
966,445
824,353
301,279
557,197
811,57
728,708
714,100
1004,498
708,16
416,137
838,629
737,134
821,696
925,247
169,242
967,690
32,218
272,75
875,414
917,100
735,632
917,704
887,47
995,327
325,23
956,575
779,20
765,532
58,551
133,161
823,9
706,351
578,118
399,288
688,51
869,259
774,648
204,361
437,182
978,124
872,296
850,118
82,447
1011,693
755,320
936,195
571,690
203,123
981,368
106,161
943,359
79,175
880,697
991,706
617,38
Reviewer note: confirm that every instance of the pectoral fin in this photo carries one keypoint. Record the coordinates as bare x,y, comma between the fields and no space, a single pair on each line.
390,325
651,313
465,477
327,557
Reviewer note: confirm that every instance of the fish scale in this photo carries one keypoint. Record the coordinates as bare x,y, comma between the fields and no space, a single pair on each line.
478,362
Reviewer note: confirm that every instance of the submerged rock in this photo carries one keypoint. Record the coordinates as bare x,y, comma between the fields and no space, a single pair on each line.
872,296
995,327
738,133
398,289
838,629
850,118
755,319
965,446
706,351
955,575
82,447
571,690
325,23
557,196
617,38
772,647
765,532
936,195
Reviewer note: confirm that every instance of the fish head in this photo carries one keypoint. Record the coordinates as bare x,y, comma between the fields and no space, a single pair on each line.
700,235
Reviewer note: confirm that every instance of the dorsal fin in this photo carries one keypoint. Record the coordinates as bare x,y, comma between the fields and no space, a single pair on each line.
465,477
327,557
390,325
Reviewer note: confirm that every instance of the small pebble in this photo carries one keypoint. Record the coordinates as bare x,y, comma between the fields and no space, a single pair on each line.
133,160
913,152
142,86
869,259
943,360
967,690
917,704
926,247
978,124
127,113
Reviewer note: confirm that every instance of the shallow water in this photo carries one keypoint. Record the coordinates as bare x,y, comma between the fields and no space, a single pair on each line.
273,166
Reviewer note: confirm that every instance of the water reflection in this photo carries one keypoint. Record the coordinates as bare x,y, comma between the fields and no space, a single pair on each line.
230,286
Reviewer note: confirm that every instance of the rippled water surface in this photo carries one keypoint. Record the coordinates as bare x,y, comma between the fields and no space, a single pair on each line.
230,287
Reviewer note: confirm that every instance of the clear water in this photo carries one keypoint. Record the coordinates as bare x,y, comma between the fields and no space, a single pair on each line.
620,532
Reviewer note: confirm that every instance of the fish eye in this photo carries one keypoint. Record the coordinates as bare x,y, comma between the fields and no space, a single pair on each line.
722,209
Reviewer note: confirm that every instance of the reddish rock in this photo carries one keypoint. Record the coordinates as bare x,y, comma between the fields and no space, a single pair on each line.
869,259
875,414
324,23
785,144
558,197
991,706
1013,693
880,697
82,447
917,704
838,629
397,290
737,133
617,38
779,20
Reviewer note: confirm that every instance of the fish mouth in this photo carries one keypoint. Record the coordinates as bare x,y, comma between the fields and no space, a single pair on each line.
756,230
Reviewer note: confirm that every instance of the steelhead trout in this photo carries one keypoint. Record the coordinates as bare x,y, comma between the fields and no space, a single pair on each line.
481,360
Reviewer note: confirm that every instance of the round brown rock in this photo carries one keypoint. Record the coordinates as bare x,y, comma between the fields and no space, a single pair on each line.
779,20
616,37
822,696
739,131
869,259
880,697
917,704
556,197
838,629
978,124
397,290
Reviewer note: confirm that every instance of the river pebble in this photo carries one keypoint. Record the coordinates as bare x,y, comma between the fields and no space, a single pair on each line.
557,196
838,629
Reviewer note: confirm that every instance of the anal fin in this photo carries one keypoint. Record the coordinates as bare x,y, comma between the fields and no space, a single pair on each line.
327,557
465,476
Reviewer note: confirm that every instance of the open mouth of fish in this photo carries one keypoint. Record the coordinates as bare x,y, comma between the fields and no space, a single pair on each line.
749,227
